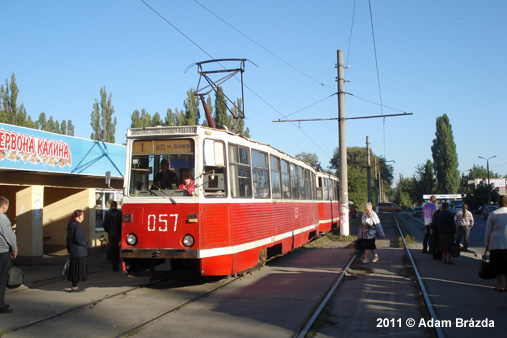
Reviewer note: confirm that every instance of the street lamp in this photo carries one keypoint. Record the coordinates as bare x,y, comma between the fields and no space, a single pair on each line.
487,168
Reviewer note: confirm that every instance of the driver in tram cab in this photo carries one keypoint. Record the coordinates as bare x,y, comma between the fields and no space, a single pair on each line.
166,178
188,183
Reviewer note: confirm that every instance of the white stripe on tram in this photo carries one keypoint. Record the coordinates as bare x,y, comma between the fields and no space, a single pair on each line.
229,250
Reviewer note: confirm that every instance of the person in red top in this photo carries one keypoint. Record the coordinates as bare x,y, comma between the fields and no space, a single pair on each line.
188,183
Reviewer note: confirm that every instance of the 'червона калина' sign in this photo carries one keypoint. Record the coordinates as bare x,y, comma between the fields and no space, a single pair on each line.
15,146
35,150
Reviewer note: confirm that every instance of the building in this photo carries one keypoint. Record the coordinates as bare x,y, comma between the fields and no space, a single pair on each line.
46,177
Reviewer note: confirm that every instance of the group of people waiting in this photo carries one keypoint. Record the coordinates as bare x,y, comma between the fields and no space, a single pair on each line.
444,231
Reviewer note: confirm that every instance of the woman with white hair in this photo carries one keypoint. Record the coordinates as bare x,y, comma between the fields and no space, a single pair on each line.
370,229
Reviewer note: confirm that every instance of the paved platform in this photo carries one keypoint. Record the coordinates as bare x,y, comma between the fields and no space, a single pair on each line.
376,299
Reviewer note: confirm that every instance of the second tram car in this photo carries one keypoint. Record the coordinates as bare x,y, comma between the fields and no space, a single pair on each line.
248,201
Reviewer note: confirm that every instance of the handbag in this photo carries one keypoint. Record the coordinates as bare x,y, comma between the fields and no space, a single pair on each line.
66,266
359,244
455,250
16,277
486,270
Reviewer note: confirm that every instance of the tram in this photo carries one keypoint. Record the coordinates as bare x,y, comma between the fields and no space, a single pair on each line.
249,201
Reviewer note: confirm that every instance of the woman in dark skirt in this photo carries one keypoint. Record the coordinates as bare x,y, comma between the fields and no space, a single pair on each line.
77,246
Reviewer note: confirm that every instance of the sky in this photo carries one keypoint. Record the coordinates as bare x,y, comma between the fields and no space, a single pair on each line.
426,58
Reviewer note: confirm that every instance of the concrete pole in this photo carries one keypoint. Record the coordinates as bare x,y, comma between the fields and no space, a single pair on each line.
342,146
368,168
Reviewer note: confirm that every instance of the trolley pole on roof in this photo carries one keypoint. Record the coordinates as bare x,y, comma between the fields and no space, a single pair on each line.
342,147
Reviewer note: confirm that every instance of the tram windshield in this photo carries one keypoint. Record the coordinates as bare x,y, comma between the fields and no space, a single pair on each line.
162,168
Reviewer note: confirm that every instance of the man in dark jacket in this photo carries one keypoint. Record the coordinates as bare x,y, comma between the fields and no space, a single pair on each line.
112,225
446,232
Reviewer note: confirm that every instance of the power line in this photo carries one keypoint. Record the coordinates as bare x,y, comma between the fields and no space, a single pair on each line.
350,36
261,46
176,28
378,77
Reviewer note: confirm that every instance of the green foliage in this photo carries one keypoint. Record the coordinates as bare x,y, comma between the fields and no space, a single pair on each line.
221,117
310,158
357,174
445,158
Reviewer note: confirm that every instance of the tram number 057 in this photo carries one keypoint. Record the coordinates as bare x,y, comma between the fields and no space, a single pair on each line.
163,222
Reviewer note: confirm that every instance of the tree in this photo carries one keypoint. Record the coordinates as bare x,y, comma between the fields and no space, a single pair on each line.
445,158
10,112
102,122
221,117
402,195
424,181
156,120
357,173
192,115
309,158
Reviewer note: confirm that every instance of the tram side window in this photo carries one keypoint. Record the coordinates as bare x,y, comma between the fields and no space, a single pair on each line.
239,168
260,174
326,189
308,185
294,181
302,192
285,180
214,176
276,186
319,189
331,190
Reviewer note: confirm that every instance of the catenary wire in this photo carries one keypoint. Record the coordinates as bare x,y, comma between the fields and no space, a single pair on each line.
378,77
261,46
350,36
255,93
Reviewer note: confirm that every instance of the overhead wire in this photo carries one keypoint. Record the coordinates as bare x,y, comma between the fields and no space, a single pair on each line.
378,77
205,52
350,36
261,46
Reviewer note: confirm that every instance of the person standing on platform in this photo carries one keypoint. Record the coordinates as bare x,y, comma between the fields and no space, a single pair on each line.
77,246
112,225
8,251
370,229
446,233
464,221
428,210
496,242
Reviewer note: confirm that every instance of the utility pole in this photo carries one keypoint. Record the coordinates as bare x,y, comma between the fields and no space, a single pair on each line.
368,168
342,146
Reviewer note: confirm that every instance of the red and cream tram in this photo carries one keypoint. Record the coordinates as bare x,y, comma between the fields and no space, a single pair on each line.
250,201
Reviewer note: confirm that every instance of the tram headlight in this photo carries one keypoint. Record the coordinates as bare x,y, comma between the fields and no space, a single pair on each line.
188,240
131,239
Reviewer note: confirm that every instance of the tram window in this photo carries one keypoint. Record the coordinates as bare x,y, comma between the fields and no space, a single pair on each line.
326,189
301,183
213,178
294,185
276,187
319,189
308,185
260,174
331,190
146,176
285,180
240,174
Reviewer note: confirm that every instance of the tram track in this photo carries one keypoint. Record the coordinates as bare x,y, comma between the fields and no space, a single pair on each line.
313,317
181,285
76,307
